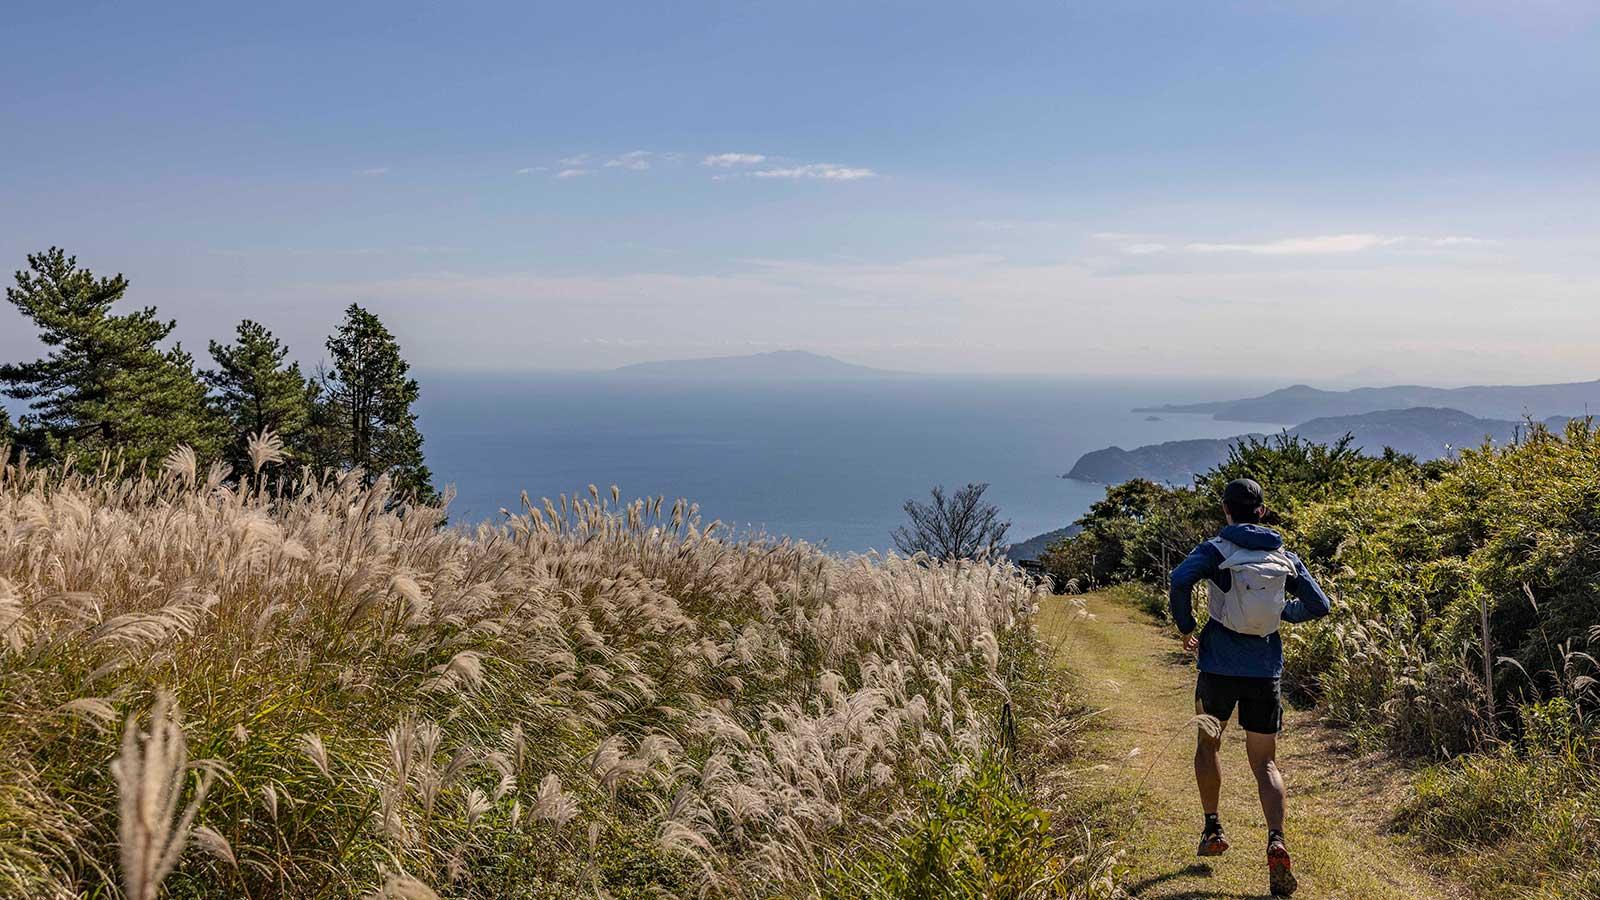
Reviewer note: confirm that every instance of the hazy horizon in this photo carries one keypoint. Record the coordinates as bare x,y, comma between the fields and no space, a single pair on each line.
1232,377
1341,196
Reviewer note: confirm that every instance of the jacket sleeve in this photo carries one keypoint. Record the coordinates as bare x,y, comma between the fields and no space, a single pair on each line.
1201,563
1309,602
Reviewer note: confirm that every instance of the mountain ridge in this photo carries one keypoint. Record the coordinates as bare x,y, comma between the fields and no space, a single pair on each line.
1302,402
1424,432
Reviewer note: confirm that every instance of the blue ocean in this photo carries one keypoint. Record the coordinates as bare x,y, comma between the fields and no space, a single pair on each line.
829,462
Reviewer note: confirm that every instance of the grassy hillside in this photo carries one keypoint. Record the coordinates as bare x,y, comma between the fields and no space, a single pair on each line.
1466,613
210,690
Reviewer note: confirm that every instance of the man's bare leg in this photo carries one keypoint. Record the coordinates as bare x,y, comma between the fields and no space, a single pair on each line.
1263,752
1208,768
1208,775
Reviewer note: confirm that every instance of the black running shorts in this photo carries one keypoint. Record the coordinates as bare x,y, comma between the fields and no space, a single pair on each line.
1259,700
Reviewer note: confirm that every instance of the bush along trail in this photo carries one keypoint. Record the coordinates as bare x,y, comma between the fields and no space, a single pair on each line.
1340,803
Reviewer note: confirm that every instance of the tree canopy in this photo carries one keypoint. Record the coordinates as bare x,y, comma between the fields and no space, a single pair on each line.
364,419
105,384
257,388
110,383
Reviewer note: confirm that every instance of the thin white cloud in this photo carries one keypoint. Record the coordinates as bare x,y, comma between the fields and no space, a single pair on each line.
1136,244
529,170
637,161
375,171
821,171
578,160
729,160
1333,243
1143,249
571,173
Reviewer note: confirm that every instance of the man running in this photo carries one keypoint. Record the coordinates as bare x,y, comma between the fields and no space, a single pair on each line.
1253,584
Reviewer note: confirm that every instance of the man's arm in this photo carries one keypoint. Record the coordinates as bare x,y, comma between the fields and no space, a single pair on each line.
1200,563
1309,602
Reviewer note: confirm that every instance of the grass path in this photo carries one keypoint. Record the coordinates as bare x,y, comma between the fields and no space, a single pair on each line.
1338,803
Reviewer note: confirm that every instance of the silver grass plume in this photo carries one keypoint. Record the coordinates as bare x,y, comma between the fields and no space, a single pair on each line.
149,773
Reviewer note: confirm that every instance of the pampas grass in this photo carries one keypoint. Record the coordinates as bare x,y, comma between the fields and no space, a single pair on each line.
592,696
150,774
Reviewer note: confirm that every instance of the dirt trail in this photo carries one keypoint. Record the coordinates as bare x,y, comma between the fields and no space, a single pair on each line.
1338,803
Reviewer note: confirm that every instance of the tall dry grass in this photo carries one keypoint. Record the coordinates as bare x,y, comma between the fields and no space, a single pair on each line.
263,689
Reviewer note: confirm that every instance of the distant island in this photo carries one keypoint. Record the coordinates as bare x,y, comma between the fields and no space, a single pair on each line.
1424,432
1301,403
778,364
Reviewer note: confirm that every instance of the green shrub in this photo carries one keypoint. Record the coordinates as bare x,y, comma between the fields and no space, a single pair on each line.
979,836
1524,815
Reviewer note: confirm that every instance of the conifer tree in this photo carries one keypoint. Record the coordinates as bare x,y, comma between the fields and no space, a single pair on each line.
105,384
364,417
253,390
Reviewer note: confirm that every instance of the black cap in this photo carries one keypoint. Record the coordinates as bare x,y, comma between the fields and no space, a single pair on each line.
1243,493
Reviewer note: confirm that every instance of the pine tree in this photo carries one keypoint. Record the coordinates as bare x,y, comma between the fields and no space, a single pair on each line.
364,419
253,390
106,384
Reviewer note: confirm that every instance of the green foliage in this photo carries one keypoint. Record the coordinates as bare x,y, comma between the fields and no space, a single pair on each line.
1296,472
1136,533
106,385
1436,569
1141,529
364,419
979,836
255,389
1536,802
979,839
1417,563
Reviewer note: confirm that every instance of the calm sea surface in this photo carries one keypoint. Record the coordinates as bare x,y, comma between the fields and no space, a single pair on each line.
829,462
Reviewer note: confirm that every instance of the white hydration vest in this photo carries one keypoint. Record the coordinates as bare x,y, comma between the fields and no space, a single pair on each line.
1253,604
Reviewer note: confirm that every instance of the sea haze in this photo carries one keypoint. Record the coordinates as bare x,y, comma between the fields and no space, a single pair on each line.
825,461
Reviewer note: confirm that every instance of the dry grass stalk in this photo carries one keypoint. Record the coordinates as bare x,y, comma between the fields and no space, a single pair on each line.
150,774
387,692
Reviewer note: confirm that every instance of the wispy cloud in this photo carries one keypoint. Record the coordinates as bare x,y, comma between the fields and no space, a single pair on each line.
637,161
730,160
729,165
529,170
1135,244
821,171
374,171
1333,243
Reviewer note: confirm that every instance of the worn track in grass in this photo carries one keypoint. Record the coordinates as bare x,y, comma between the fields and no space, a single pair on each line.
1339,803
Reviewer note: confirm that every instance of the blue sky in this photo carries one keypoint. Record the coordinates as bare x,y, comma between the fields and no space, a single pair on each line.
1338,192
